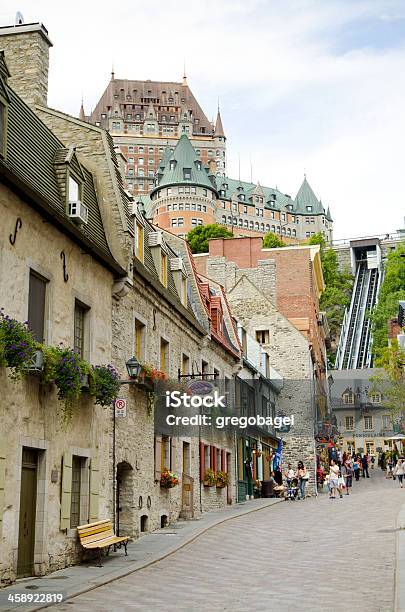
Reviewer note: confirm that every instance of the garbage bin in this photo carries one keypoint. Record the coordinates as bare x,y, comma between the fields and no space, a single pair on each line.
267,488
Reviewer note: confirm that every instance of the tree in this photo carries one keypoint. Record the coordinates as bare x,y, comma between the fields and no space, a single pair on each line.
272,241
337,294
392,290
199,236
391,381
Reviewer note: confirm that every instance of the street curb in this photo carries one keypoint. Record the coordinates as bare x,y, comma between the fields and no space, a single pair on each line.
164,556
399,570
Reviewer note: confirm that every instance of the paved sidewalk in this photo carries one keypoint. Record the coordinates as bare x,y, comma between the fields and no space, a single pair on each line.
142,553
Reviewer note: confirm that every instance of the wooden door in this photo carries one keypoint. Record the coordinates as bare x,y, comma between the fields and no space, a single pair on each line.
28,501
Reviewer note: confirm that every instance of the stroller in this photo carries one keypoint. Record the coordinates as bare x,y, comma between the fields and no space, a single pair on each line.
292,489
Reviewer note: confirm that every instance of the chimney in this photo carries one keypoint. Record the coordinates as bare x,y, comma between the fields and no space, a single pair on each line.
26,50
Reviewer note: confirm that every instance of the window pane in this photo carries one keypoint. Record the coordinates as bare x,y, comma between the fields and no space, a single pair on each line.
75,497
73,190
36,306
78,345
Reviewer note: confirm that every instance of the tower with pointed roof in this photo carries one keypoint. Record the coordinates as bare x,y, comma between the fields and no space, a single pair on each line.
143,117
185,193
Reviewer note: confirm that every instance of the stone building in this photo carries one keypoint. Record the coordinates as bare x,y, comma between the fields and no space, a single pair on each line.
275,294
146,117
58,273
187,194
365,424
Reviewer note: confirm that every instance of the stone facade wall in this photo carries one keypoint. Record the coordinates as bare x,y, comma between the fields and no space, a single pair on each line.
27,58
30,411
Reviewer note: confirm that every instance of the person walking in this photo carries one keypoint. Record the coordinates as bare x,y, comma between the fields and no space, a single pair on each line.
389,467
356,469
302,477
364,465
333,479
347,473
399,470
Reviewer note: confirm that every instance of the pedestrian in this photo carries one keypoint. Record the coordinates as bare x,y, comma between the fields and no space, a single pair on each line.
333,479
347,472
389,466
364,463
302,477
372,462
399,470
356,469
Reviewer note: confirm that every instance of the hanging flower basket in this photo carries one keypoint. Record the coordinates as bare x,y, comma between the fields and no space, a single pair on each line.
104,384
168,480
210,479
17,345
222,480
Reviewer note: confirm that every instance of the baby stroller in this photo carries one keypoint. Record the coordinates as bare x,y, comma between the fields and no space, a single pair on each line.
292,489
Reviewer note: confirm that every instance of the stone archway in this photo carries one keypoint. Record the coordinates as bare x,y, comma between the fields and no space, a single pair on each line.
126,521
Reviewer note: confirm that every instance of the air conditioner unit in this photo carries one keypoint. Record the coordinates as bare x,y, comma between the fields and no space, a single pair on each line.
155,238
78,212
176,263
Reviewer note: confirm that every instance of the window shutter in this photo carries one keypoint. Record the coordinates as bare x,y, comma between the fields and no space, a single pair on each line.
173,454
213,458
66,493
94,490
202,461
223,461
158,457
2,479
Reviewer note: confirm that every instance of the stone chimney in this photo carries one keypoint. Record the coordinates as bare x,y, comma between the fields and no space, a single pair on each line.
26,50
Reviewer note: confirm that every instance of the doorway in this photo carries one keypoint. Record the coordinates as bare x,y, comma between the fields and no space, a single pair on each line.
28,503
187,503
125,519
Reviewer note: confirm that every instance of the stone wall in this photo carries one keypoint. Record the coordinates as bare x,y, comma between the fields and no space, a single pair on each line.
30,411
26,50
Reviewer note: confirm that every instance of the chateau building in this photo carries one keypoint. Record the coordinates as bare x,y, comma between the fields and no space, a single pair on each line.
187,194
145,117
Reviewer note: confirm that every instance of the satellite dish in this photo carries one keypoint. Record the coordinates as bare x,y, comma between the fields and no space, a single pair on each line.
19,19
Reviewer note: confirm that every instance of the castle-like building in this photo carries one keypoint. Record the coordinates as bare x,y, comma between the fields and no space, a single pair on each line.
174,162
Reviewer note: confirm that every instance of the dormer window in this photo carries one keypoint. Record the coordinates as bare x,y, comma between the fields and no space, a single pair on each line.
242,197
309,208
187,174
172,164
73,190
198,165
184,290
139,236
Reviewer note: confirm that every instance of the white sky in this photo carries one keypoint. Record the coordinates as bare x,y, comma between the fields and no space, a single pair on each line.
304,85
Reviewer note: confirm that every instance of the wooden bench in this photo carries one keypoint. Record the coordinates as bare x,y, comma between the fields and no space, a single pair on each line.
99,536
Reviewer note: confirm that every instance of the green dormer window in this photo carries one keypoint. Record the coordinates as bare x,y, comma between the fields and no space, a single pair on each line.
187,174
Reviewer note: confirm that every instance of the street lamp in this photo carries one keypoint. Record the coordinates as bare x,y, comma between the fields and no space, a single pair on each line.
133,367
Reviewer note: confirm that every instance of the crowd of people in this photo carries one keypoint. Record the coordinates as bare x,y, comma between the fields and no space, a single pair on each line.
342,471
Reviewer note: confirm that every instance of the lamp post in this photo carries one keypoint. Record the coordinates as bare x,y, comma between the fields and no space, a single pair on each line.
134,369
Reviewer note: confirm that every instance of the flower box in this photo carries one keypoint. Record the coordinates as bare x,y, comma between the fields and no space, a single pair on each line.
209,479
168,480
36,364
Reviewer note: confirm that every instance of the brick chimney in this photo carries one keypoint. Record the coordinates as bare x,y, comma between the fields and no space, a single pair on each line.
26,50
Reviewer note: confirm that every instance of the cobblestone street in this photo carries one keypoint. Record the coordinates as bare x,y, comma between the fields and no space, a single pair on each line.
318,554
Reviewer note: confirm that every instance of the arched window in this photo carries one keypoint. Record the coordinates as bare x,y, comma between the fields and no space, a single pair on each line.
294,233
230,220
223,219
267,228
251,224
273,228
246,223
283,231
262,227
288,231
256,225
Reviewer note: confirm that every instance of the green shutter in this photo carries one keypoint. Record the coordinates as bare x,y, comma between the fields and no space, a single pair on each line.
94,491
66,493
2,479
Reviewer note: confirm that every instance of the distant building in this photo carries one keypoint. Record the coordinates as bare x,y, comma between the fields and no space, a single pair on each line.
146,117
187,194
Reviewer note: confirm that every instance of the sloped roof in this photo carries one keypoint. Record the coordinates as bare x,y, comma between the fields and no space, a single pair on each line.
306,197
29,164
231,186
184,157
219,130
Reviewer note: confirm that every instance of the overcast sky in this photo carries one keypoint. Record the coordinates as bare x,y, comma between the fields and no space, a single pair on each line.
315,86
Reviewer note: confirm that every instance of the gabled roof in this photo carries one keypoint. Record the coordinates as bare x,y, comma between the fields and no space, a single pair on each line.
306,197
184,157
29,167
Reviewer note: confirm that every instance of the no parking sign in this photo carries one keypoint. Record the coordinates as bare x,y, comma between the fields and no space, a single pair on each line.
120,407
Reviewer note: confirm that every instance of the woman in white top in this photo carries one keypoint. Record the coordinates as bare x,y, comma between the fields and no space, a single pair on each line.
399,470
333,479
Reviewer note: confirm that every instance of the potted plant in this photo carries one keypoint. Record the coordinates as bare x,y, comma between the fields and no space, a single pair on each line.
104,384
168,479
222,479
17,345
209,478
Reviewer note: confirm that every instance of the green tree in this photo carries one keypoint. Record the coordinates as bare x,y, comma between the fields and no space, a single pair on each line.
337,294
199,236
391,381
272,241
392,290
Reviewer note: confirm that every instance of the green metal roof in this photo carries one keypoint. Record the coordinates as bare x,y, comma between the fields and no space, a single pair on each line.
306,198
231,187
184,158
